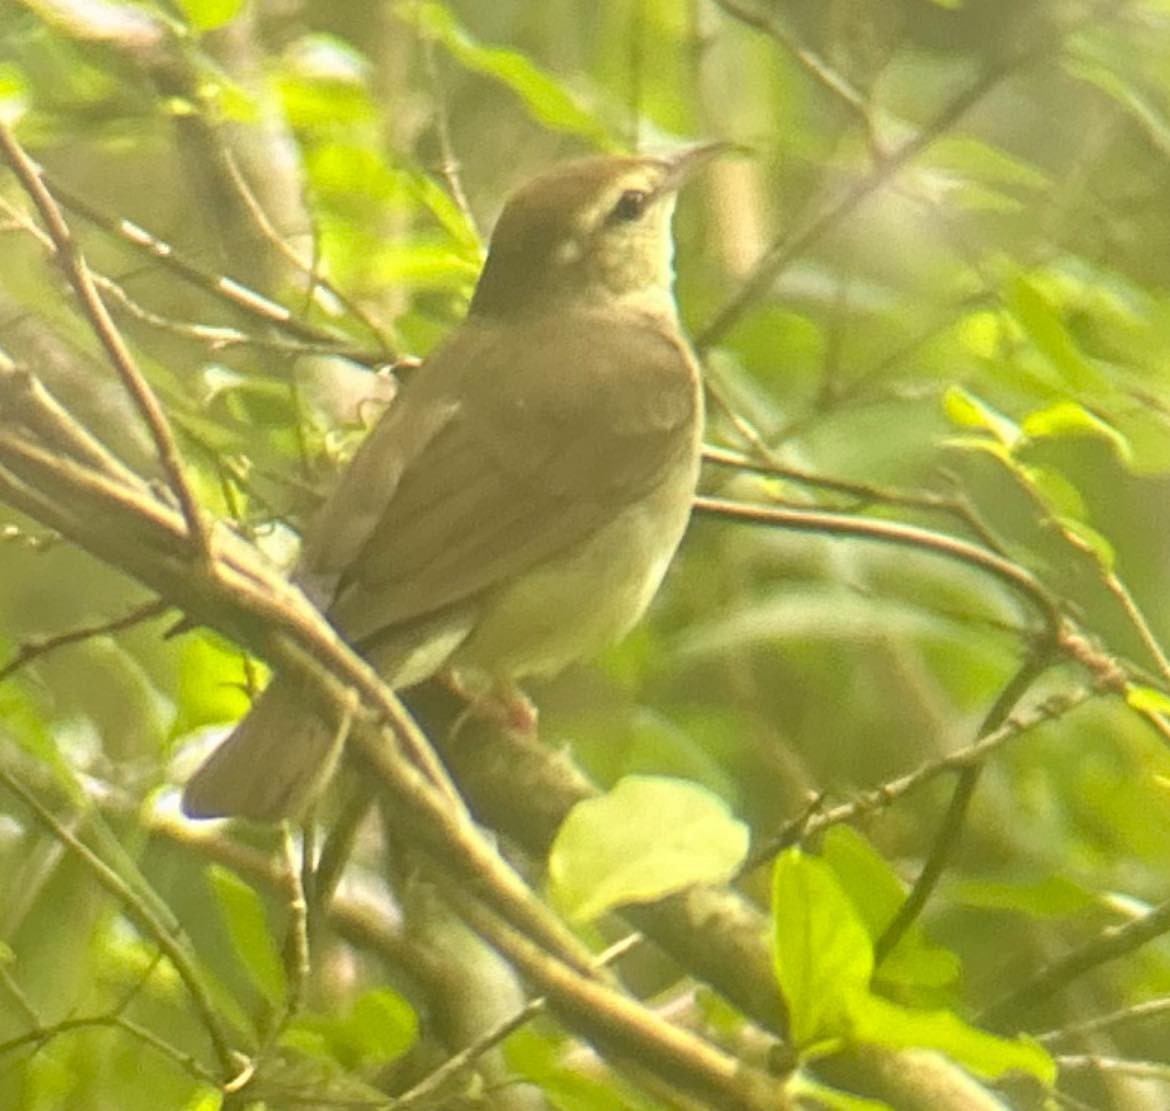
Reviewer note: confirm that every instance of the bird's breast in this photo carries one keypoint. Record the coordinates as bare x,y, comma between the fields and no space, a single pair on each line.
576,604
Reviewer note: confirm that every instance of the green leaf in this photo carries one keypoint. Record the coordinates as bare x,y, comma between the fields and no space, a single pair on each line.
1050,897
820,949
541,94
982,333
1070,418
647,838
962,407
983,445
1148,699
207,15
1090,541
383,1026
204,1099
379,1028
1042,323
247,925
450,216
824,959
877,894
982,161
872,885
807,1091
211,683
1114,83
542,1061
1059,495
880,1022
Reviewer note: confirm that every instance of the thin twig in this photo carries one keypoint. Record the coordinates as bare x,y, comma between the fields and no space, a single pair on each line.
621,1025
228,289
296,952
80,278
888,532
312,272
867,493
448,162
886,794
812,64
141,912
252,603
1113,942
790,246
34,649
946,840
1117,1066
1139,1012
434,1082
40,1035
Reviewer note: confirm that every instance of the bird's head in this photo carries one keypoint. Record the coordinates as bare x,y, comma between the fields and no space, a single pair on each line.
590,233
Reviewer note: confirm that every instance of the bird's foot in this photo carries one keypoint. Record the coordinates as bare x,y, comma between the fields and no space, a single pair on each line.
499,702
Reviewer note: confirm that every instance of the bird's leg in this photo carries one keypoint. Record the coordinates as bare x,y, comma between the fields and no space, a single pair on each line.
498,701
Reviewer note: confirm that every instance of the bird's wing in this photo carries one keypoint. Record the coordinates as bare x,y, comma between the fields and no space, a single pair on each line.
512,446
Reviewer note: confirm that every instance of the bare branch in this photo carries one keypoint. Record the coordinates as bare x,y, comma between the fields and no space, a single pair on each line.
1110,944
143,915
888,532
81,279
33,650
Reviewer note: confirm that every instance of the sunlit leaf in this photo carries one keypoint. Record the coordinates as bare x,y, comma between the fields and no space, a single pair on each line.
1042,322
247,925
1149,699
982,333
207,15
211,683
1070,418
645,839
821,950
804,1088
965,408
883,1023
383,1025
544,97
877,894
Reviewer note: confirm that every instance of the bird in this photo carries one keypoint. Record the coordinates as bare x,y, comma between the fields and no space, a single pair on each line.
516,507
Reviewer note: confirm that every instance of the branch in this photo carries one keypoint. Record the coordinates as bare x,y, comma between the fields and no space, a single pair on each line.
947,838
884,795
251,603
789,247
1112,943
231,291
103,325
33,650
143,915
888,532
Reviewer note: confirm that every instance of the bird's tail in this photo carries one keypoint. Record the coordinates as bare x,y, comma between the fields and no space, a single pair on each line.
271,764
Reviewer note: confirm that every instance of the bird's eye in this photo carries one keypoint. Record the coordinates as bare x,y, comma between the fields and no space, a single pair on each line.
631,205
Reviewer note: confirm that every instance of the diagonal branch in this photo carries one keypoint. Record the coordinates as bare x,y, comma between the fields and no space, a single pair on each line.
790,247
80,278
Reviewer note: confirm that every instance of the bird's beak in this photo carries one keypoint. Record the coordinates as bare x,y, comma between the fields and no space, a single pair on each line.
684,164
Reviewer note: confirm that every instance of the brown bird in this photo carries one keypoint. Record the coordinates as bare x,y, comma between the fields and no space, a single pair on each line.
516,507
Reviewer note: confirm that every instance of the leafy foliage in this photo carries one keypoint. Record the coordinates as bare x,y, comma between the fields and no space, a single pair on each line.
932,298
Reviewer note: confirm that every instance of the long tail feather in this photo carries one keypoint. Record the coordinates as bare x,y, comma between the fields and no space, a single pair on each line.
271,766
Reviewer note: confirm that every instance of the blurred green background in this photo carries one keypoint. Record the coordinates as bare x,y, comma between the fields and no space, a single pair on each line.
936,270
